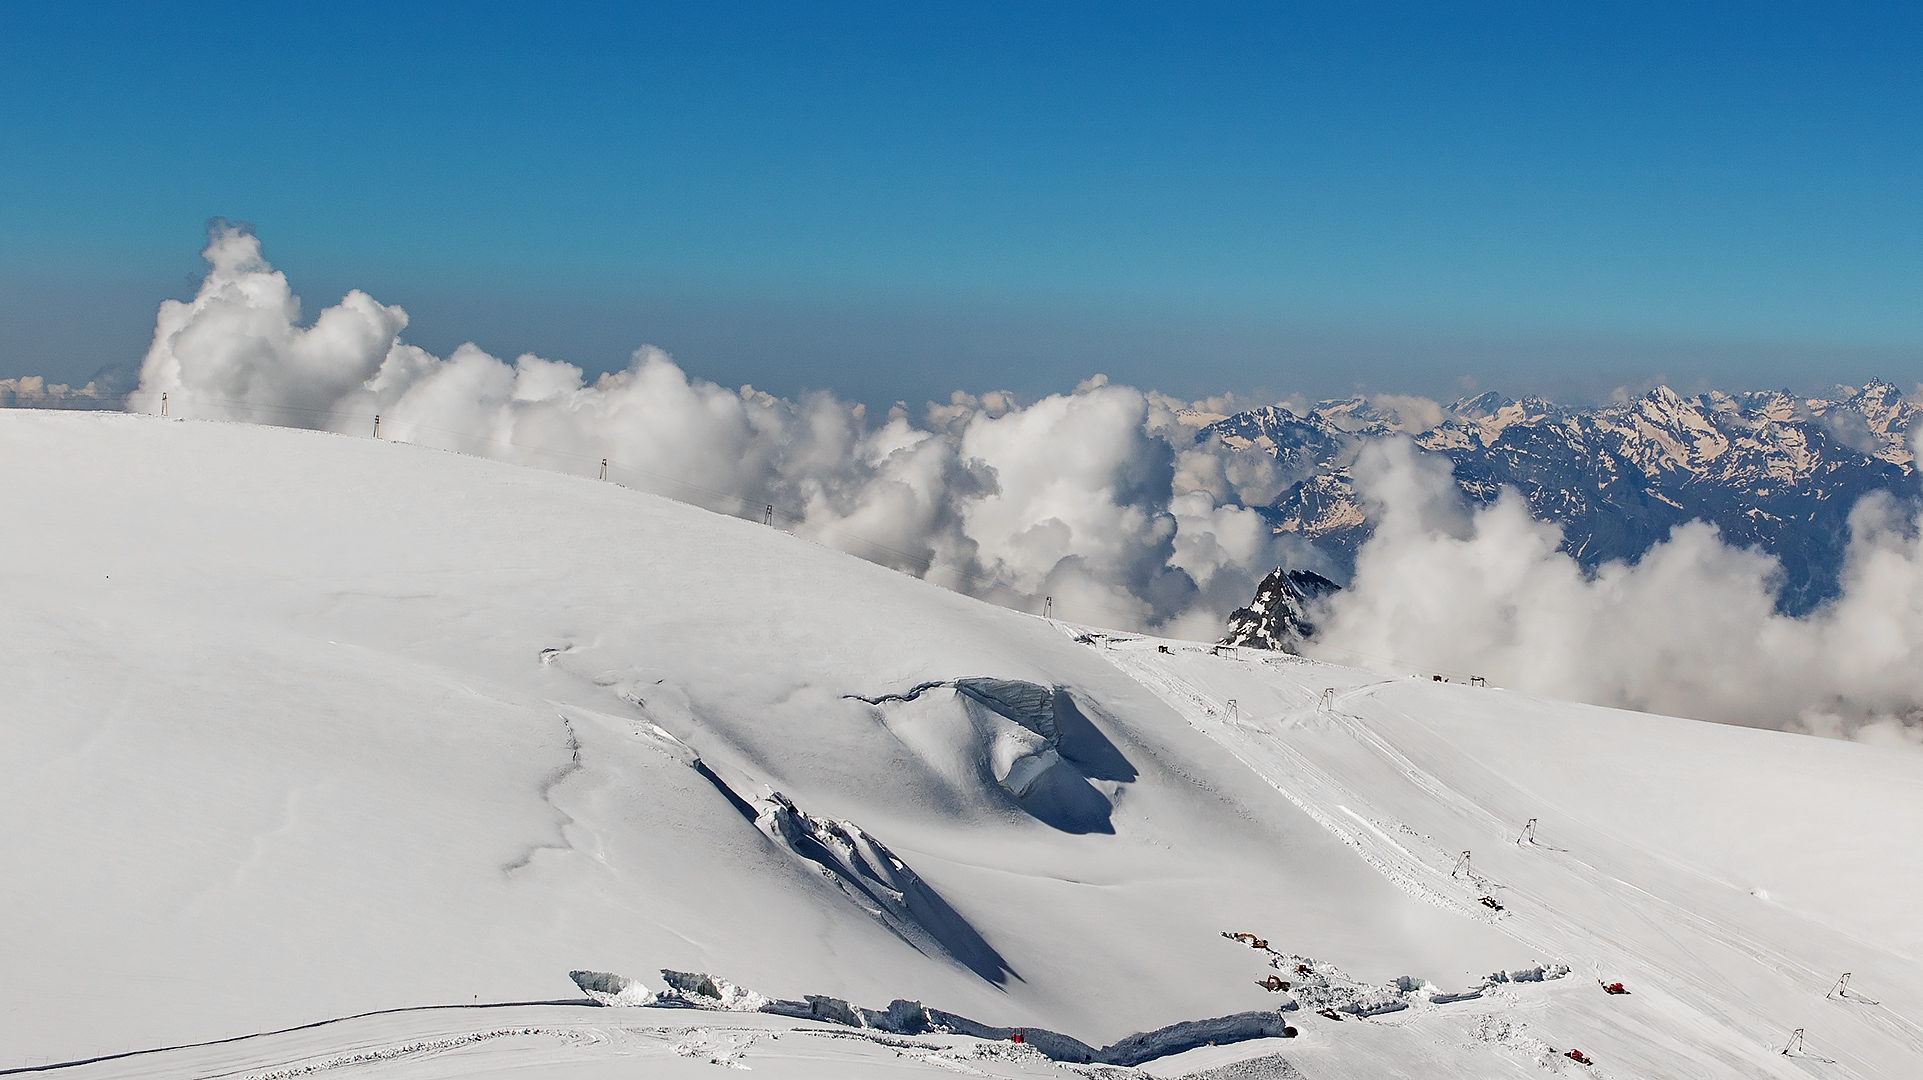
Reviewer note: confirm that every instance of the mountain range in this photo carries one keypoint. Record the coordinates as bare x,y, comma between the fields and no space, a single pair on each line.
1770,469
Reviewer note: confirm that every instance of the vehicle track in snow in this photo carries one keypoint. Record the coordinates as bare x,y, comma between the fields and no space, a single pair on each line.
1635,900
1655,912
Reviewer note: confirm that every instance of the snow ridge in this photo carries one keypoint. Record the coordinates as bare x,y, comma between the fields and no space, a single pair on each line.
879,882
903,1017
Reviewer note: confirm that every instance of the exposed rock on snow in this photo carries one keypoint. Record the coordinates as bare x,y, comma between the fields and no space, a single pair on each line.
1278,616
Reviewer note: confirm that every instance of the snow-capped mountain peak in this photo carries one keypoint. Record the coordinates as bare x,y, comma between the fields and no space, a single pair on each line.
1278,617
1771,470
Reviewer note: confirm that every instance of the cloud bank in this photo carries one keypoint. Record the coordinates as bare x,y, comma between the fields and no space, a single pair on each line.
1102,499
1099,499
35,392
1690,629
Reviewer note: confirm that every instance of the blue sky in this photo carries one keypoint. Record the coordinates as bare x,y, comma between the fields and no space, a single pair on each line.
895,200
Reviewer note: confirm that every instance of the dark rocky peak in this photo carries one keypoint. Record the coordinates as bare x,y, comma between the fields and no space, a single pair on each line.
1277,617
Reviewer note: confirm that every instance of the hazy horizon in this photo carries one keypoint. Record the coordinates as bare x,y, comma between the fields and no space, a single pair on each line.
891,203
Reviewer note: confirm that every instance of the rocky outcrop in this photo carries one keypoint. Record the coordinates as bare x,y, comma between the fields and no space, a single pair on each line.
1278,616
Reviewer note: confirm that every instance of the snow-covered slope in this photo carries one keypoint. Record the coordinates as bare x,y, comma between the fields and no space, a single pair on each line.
301,726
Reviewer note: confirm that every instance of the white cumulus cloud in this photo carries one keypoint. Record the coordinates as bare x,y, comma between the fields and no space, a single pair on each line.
1102,499
1690,629
1097,498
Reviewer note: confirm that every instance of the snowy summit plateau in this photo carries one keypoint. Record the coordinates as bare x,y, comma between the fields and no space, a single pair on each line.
326,755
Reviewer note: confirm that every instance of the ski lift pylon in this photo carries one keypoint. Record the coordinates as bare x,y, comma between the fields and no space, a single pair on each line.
1842,991
1795,1047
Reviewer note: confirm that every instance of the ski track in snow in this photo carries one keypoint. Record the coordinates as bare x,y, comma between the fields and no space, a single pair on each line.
1422,868
1627,897
1286,770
